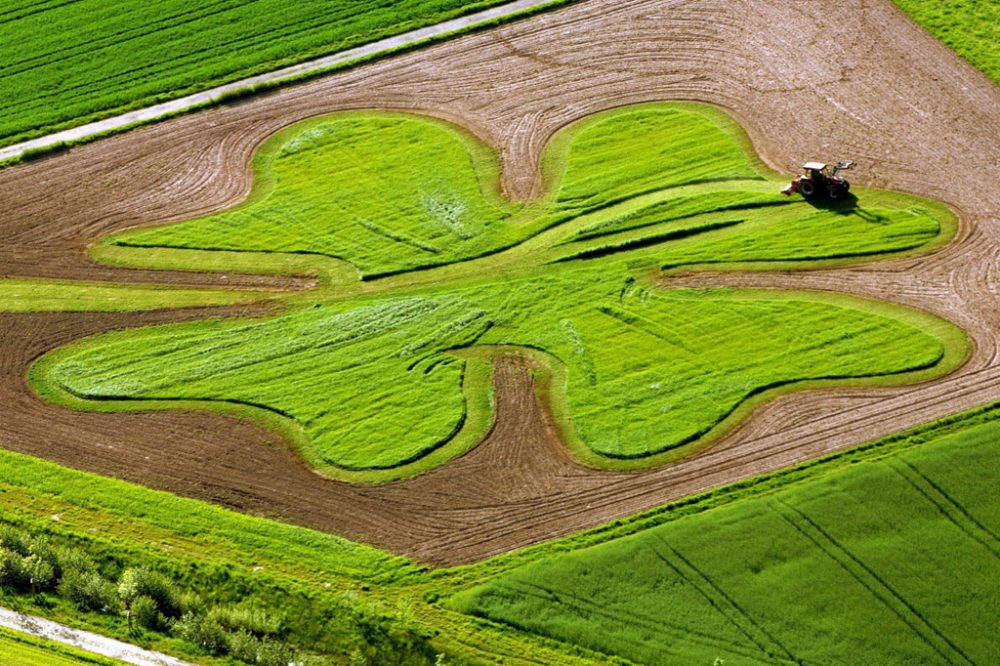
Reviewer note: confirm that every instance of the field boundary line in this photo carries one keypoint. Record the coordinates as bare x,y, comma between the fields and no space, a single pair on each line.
946,504
872,582
85,640
292,73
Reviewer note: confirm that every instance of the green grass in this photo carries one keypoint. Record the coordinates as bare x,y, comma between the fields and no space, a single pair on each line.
33,295
335,369
317,581
447,267
334,595
930,551
73,62
970,28
19,649
891,561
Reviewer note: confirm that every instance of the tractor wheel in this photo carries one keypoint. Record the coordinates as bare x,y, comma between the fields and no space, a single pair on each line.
807,188
836,193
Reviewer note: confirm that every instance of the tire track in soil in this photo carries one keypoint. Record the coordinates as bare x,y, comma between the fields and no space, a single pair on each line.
655,625
875,88
950,508
721,601
872,582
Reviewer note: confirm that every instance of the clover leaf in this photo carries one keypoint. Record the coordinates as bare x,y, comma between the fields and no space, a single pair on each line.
375,373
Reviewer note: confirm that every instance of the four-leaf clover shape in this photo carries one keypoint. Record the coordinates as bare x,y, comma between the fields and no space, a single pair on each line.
430,272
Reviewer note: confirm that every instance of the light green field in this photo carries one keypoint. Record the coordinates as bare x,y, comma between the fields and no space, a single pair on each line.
18,649
393,193
388,375
970,28
894,561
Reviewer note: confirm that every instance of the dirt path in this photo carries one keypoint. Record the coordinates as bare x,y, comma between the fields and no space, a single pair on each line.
853,79
85,640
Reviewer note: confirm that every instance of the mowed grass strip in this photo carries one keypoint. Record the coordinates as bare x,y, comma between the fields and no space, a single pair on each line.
890,561
67,63
970,28
20,649
771,234
31,295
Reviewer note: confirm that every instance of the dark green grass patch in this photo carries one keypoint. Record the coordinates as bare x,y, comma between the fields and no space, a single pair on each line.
891,561
66,63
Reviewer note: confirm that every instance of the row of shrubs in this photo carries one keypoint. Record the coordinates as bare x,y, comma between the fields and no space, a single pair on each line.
31,564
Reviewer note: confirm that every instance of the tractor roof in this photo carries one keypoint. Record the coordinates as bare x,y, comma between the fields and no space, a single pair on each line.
814,165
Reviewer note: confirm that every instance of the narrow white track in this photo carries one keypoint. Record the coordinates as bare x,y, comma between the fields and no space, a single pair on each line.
85,640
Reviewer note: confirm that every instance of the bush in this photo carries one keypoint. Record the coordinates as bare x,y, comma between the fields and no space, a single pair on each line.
139,582
15,539
275,653
147,615
12,574
70,559
190,602
242,618
89,591
244,646
201,631
39,573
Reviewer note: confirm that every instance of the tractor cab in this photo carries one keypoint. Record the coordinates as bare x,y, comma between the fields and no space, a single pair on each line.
820,179
815,169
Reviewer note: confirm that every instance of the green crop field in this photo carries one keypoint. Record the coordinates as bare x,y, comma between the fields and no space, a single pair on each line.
17,649
875,554
970,28
893,561
427,271
66,63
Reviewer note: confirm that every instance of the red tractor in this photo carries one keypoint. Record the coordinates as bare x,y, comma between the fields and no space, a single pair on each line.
821,180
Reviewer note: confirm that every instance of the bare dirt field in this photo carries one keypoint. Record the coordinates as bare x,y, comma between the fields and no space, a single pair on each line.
808,80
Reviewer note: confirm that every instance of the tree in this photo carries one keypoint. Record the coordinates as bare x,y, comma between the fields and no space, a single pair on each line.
129,589
39,572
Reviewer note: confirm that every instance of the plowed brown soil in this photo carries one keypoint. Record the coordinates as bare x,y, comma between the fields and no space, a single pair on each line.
852,79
